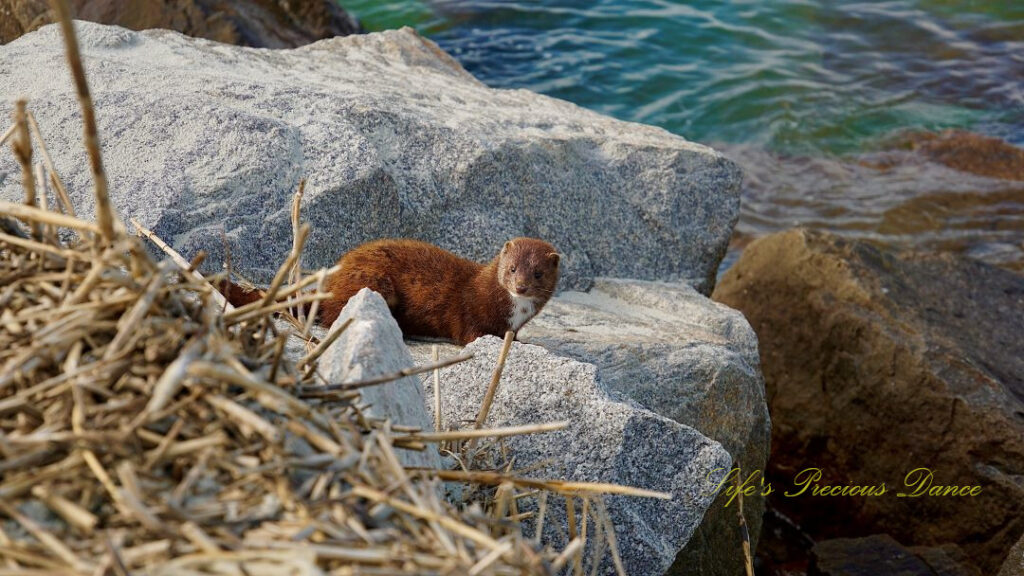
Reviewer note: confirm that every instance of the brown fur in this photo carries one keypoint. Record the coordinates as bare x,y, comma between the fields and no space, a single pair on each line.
434,293
239,296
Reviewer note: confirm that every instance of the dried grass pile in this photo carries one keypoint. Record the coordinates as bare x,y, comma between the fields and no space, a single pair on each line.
147,428
138,426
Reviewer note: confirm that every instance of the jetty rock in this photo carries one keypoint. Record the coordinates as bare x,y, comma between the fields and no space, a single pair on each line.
902,368
680,355
206,144
371,346
260,23
203,140
656,348
609,439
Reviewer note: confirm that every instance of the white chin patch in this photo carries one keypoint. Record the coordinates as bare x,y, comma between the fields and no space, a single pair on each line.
522,310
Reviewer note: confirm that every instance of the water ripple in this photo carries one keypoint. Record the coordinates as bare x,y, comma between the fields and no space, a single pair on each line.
801,92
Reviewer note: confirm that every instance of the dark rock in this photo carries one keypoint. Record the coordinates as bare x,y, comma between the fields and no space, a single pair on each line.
1014,565
877,364
258,23
879,555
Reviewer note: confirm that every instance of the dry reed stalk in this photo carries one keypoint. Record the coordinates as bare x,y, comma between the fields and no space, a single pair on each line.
49,232
312,357
22,148
293,258
605,519
578,560
575,547
452,524
264,309
492,388
36,246
295,274
434,355
36,215
78,517
748,562
7,134
105,217
178,259
328,390
281,295
58,184
321,283
484,432
491,557
556,486
48,540
570,510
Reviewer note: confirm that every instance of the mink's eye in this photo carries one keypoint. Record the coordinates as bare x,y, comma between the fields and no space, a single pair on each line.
512,269
537,274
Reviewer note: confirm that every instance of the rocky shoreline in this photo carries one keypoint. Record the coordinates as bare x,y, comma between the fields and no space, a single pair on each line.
902,369
205,142
256,23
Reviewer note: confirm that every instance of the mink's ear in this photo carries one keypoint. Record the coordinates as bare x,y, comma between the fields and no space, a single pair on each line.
508,246
555,258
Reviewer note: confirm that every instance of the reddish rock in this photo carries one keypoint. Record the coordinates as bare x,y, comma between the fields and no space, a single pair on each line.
968,152
876,364
259,23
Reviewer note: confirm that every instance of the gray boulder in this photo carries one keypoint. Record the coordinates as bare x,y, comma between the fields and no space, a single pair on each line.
608,440
684,357
372,346
395,139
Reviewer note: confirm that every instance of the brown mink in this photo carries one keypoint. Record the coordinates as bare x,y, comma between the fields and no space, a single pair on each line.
434,293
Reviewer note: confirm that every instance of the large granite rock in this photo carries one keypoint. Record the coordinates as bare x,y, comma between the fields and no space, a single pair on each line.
877,364
684,357
395,139
260,23
372,346
608,440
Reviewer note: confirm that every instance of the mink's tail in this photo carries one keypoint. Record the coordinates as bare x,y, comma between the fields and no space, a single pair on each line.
239,296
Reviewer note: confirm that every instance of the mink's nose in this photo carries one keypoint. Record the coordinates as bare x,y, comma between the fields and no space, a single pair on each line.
521,288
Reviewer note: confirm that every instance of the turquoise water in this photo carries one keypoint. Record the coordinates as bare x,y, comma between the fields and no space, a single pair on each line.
795,90
794,76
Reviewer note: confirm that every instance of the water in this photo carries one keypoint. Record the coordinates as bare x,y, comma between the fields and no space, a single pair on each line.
805,94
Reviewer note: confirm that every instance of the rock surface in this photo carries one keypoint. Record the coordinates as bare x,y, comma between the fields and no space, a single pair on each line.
258,23
1014,565
395,139
684,357
967,152
608,440
875,365
372,346
881,554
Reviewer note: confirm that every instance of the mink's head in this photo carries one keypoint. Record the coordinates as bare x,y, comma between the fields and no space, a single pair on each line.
528,267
